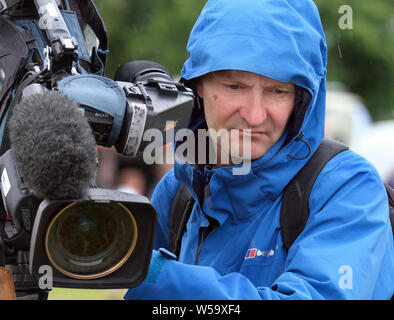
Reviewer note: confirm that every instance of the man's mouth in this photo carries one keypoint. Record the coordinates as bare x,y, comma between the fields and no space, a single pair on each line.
251,132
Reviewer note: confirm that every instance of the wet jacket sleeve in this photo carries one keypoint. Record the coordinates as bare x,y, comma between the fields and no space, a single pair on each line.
346,243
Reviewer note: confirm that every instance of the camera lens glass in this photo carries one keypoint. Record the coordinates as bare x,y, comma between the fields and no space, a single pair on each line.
88,240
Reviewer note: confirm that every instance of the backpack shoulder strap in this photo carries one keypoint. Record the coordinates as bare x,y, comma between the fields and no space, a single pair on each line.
295,206
181,209
390,194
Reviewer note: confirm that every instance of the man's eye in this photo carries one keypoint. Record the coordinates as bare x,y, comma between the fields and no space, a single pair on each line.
280,91
233,86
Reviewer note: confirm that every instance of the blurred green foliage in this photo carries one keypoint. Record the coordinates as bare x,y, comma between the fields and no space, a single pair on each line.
361,57
154,30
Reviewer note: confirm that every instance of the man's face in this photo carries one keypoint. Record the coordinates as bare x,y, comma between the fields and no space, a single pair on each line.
240,100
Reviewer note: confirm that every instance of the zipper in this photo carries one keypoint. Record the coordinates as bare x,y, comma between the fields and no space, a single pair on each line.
213,223
208,172
203,234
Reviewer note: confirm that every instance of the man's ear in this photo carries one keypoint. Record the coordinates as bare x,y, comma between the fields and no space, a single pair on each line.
199,88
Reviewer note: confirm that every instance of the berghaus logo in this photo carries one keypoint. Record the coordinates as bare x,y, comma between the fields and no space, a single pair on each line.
254,252
251,253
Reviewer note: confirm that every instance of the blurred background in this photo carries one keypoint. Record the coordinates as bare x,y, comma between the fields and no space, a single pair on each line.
360,97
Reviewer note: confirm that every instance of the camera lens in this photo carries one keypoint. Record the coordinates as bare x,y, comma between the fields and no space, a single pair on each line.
89,240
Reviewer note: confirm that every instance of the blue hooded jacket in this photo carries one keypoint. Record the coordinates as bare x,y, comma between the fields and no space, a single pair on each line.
346,249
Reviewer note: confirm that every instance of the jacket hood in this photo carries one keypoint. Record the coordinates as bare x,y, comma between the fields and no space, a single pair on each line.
279,39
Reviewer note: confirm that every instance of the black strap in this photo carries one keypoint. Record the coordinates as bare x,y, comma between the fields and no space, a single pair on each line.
390,194
6,143
7,4
295,205
181,209
28,36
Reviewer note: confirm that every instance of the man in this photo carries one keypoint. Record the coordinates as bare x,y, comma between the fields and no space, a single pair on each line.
259,68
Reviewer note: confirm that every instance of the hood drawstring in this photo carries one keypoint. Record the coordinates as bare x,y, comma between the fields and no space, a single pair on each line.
299,138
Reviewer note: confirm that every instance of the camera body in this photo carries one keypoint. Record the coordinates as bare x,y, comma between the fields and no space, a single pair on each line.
104,238
26,229
120,112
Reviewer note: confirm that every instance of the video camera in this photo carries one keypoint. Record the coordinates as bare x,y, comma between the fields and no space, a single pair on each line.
104,238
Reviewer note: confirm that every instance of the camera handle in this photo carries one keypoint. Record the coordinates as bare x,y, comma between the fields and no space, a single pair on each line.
14,269
63,47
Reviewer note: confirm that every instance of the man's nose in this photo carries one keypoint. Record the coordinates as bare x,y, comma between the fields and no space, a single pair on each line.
254,110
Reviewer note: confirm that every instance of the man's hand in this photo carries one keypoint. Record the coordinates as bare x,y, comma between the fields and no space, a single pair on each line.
7,288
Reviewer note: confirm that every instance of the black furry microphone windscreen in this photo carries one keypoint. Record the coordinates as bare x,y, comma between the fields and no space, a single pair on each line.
53,146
